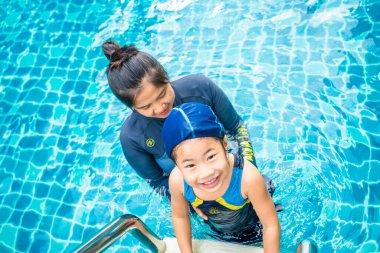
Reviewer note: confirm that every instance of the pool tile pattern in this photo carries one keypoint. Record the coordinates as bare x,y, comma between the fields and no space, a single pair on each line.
304,75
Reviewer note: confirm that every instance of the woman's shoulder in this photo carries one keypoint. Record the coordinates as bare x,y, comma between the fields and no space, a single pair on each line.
132,121
191,79
194,88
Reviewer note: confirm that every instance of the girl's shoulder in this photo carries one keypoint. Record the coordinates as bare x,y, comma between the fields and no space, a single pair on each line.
176,180
250,176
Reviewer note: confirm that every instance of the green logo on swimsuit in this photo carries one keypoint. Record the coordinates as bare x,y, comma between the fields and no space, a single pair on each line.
214,210
150,142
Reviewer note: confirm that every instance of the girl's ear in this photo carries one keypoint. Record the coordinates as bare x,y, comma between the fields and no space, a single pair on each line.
225,143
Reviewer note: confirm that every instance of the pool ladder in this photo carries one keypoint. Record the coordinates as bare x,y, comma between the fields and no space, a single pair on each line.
123,224
130,222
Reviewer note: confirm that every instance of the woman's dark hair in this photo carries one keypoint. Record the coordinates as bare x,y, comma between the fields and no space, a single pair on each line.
128,67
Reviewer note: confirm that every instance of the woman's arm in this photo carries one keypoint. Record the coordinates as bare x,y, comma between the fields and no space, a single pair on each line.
146,167
231,121
253,186
180,212
244,143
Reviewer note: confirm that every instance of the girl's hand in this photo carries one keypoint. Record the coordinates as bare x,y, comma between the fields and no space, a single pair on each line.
200,213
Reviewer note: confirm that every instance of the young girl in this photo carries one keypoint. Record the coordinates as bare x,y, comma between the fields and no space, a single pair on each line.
227,188
139,81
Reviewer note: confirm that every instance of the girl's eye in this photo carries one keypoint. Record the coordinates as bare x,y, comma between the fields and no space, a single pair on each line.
211,157
189,166
145,107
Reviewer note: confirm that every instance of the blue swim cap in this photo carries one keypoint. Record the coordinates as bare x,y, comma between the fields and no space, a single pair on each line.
189,121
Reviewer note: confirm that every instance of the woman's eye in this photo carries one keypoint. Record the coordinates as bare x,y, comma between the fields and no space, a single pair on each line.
162,95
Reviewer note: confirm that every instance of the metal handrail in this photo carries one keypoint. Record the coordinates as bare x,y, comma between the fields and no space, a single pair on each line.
123,224
130,222
307,246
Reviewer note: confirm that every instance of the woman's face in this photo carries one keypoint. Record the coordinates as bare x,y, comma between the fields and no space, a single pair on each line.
154,102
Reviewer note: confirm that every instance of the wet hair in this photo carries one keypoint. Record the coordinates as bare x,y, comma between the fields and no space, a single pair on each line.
128,67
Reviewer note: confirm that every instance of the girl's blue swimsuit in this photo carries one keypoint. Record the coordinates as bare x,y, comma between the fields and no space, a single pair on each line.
232,216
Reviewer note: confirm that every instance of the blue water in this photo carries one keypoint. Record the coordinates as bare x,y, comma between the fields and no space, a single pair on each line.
304,75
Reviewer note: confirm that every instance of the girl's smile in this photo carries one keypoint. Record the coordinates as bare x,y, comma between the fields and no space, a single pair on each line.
211,183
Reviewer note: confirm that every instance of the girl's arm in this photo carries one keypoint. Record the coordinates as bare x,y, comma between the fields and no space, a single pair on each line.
254,188
180,212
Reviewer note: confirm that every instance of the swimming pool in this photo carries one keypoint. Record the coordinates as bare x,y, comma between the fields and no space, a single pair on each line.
303,74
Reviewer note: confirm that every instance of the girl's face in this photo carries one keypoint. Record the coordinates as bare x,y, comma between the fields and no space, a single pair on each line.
154,102
204,163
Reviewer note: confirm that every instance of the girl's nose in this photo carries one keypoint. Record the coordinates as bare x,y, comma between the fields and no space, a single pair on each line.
206,172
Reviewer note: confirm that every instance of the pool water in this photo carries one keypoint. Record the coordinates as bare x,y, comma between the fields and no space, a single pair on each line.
304,75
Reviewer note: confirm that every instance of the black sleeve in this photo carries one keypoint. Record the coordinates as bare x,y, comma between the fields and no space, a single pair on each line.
146,166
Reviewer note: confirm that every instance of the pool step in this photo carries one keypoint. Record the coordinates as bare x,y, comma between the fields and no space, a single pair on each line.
130,222
207,246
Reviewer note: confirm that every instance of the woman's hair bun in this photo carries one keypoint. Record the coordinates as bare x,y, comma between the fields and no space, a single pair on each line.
126,52
109,48
118,55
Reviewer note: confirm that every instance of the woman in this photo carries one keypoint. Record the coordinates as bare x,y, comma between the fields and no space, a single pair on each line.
139,81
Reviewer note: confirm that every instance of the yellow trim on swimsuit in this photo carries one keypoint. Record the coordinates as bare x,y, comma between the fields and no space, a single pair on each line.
229,206
197,202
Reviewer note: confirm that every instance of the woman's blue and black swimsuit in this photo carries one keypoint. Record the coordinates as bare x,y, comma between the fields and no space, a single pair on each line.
232,216
141,139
